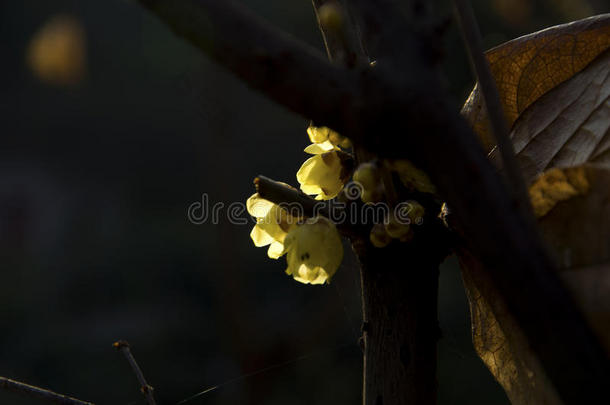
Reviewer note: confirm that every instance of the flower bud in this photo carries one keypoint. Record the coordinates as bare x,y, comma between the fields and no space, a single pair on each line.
330,16
396,228
416,211
372,196
318,134
367,175
411,177
379,237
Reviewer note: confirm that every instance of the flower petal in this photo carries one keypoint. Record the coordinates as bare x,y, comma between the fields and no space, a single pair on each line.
260,237
258,207
319,148
275,223
315,251
323,171
318,134
311,189
306,168
276,250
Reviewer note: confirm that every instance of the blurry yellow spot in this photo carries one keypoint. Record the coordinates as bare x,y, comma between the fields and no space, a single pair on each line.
56,53
330,16
557,185
515,12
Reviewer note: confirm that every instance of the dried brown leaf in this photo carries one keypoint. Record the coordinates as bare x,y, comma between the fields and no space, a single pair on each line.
555,88
499,342
568,126
528,67
557,185
575,223
577,230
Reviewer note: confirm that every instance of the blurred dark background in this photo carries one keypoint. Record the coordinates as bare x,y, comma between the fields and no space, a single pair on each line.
96,176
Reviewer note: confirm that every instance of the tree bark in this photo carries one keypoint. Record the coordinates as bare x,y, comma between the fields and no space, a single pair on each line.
400,327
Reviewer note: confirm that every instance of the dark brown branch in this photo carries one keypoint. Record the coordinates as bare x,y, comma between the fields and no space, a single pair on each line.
415,121
266,58
40,393
279,193
147,389
400,289
491,97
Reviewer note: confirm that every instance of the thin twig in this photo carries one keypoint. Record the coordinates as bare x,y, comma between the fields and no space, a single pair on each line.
491,97
40,393
146,388
341,41
386,31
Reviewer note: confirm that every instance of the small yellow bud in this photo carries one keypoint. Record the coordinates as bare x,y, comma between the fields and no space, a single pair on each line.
318,134
416,211
367,175
371,197
379,237
345,143
396,228
330,16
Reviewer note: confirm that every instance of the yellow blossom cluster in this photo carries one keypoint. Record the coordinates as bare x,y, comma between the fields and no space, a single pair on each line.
313,247
398,224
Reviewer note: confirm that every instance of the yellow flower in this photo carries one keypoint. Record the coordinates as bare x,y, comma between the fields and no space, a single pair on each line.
324,140
314,250
272,225
324,174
